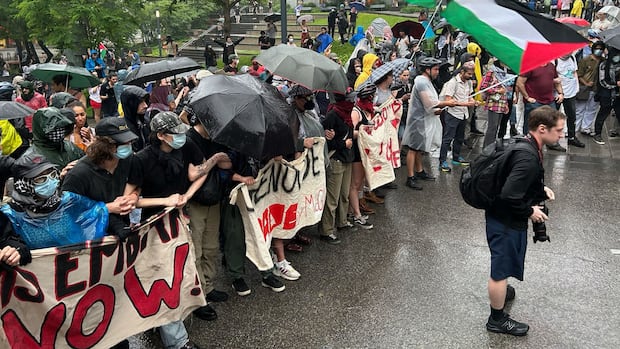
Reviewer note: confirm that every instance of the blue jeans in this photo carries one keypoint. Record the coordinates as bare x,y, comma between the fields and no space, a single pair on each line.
173,335
453,132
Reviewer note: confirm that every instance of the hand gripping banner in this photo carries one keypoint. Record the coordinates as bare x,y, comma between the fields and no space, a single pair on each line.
95,294
285,197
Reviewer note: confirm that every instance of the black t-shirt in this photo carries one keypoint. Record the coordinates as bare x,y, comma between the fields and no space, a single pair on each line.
96,183
206,146
109,106
154,172
264,42
353,17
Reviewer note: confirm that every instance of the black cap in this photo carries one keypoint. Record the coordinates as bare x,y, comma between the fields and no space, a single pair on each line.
31,165
115,128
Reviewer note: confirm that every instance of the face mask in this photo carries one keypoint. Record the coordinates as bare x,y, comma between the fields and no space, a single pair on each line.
616,59
48,188
123,151
56,135
178,140
291,40
597,52
309,105
27,96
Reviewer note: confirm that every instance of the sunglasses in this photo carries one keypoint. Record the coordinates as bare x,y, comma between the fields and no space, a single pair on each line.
43,178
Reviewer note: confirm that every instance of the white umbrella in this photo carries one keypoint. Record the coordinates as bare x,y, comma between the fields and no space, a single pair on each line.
377,26
308,18
613,15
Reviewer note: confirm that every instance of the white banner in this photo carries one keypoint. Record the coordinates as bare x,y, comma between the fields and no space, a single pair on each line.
378,144
96,294
285,197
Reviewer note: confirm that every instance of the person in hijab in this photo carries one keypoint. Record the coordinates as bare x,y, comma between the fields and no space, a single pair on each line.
354,70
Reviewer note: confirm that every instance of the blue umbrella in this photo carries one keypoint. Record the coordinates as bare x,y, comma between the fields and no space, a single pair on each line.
358,6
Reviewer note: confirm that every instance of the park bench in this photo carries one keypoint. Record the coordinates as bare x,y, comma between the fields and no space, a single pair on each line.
306,9
377,7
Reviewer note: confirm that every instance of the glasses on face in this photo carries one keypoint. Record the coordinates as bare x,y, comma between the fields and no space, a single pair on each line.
43,178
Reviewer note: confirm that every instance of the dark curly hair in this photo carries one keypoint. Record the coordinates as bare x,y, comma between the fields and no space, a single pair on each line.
102,149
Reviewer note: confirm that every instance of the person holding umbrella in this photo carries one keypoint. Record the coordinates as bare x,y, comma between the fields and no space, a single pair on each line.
62,82
228,47
272,30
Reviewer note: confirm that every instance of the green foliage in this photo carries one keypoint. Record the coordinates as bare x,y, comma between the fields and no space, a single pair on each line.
411,9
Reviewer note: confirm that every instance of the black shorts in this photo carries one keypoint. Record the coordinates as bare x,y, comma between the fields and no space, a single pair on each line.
507,246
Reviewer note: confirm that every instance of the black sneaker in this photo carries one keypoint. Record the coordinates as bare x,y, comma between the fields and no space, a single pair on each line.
508,326
413,184
330,239
424,176
390,185
598,140
614,134
575,142
510,293
217,296
241,287
206,313
273,283
556,147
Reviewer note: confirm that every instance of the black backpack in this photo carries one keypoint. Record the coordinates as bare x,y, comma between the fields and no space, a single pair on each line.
483,180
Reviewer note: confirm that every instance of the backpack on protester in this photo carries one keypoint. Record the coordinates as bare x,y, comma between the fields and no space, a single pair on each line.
483,180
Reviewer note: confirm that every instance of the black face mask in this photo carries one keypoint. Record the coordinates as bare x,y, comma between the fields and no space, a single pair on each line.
309,105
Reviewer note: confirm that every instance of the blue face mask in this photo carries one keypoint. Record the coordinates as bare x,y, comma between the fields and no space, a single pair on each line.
178,140
47,188
123,151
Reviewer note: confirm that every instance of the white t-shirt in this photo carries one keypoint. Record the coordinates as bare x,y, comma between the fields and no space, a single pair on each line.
566,71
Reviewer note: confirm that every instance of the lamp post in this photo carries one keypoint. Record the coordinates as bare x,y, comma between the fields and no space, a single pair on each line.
158,31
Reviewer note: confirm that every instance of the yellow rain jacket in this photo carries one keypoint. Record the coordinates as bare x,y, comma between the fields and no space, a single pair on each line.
10,138
475,50
367,62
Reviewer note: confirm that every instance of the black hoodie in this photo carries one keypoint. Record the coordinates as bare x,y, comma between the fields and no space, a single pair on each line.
131,98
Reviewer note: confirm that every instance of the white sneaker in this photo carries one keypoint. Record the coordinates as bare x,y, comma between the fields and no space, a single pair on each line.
362,223
286,271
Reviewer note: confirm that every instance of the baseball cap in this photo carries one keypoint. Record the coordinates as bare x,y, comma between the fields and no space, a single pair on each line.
115,128
168,122
30,165
232,56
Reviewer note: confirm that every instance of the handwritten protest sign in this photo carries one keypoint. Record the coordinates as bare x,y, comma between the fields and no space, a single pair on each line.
378,143
285,197
96,294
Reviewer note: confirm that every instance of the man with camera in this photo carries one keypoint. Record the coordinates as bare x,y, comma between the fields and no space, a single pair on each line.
520,199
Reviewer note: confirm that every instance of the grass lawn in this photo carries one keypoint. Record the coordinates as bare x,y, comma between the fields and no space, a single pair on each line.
364,19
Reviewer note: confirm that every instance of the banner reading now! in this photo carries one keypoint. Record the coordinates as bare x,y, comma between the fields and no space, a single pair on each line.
96,294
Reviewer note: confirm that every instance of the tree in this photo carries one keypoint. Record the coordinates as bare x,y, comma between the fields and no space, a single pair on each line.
226,6
80,24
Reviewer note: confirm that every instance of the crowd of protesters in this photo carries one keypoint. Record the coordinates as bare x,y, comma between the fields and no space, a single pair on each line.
61,164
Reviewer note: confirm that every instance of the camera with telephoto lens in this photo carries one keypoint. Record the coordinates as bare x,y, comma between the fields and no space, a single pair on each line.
540,229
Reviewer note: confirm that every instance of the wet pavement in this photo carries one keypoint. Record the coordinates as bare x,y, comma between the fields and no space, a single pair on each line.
418,279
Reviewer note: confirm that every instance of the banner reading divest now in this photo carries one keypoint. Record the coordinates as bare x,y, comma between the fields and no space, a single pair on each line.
96,294
378,144
285,197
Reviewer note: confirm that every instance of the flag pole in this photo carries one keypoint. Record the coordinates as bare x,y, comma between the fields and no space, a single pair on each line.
430,24
490,87
486,89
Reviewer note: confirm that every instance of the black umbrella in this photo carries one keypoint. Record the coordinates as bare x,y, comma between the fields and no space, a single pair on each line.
274,17
160,70
412,28
245,114
14,110
611,37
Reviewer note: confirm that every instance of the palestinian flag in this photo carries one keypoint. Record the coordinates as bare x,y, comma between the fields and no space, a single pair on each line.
519,37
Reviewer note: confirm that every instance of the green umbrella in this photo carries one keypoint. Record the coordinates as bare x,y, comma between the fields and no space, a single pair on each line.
78,78
304,67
